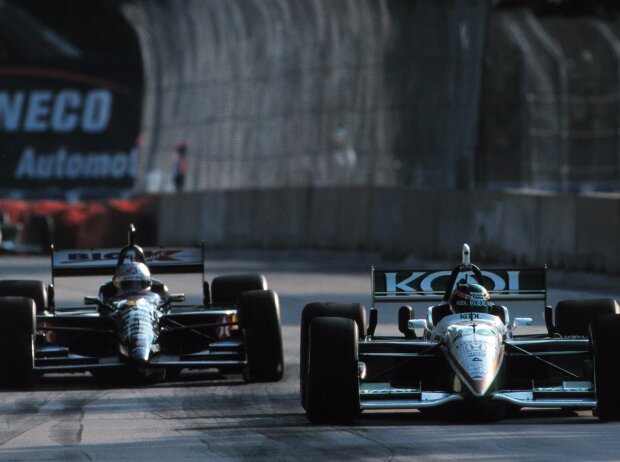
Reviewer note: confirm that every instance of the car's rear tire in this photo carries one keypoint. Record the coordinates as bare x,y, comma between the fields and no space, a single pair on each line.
605,339
332,386
259,319
40,230
17,321
572,317
311,311
226,289
26,288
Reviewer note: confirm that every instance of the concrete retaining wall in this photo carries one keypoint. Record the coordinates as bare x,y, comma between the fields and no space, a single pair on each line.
563,231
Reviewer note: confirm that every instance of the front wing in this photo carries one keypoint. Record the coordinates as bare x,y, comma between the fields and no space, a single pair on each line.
537,373
85,341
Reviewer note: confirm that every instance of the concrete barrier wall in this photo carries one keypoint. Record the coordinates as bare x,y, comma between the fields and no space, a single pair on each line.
578,232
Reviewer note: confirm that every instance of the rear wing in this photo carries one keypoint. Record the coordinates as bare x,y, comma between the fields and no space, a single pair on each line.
527,284
102,262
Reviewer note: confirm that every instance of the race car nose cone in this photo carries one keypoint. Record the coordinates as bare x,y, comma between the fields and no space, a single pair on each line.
140,355
476,356
480,387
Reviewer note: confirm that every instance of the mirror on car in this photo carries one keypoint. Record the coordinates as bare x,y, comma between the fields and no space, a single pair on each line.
91,301
521,322
418,324
176,297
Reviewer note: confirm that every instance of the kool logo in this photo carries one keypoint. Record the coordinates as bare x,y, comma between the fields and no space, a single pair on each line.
64,111
396,282
470,316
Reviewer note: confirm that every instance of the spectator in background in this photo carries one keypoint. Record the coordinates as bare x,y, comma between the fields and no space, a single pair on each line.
344,158
180,165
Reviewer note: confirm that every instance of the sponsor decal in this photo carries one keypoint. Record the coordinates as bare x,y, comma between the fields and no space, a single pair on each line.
562,389
428,282
63,111
65,165
476,300
67,262
425,282
151,257
476,355
469,316
68,129
472,346
388,391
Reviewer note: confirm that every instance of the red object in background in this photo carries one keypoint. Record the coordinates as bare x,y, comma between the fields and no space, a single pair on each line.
47,207
16,210
130,206
86,224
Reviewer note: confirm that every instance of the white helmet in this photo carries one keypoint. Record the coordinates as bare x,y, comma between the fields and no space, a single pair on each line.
132,276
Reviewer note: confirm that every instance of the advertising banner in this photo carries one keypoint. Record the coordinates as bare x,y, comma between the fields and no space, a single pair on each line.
67,129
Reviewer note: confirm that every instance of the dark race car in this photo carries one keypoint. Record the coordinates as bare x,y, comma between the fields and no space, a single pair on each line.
463,359
134,327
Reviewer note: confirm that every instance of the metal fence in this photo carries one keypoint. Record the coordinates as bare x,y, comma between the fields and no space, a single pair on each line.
551,103
310,92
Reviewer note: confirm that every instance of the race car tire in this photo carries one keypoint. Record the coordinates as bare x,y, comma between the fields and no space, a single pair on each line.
26,288
40,230
353,311
18,320
605,343
332,384
259,319
226,289
572,317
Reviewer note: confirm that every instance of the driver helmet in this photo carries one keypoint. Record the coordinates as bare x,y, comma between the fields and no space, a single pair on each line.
132,276
470,298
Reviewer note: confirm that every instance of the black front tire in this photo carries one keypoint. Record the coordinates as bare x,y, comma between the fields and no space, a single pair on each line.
259,319
311,311
572,317
332,394
605,338
225,290
26,288
17,318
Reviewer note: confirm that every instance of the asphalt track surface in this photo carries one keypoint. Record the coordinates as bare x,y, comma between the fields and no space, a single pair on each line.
204,416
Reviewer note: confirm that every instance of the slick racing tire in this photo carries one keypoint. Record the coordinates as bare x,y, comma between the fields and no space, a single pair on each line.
353,311
259,320
40,230
605,343
332,384
572,317
17,318
26,288
226,289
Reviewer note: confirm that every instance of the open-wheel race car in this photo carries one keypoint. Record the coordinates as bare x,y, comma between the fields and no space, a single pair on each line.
463,360
135,328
